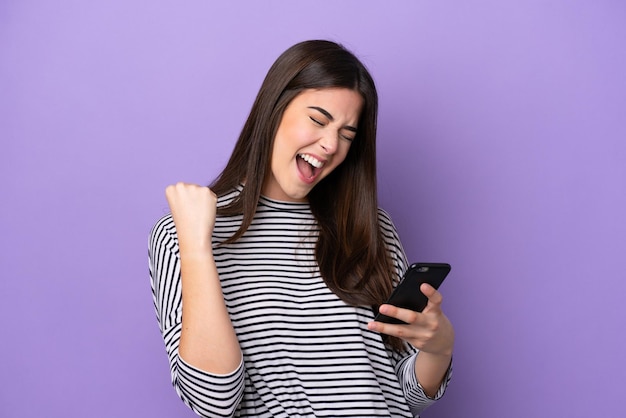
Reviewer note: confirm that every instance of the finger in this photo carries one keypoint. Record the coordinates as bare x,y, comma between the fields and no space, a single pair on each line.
413,331
173,189
434,296
395,330
406,315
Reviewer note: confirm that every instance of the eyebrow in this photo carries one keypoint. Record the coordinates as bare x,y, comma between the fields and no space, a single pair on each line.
331,118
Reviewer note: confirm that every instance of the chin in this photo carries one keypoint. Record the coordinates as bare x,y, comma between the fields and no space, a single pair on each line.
298,196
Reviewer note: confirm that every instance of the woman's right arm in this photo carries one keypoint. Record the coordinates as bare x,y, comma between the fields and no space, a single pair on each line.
205,357
208,340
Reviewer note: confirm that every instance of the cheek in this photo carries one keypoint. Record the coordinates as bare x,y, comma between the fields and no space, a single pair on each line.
343,151
302,136
290,139
339,157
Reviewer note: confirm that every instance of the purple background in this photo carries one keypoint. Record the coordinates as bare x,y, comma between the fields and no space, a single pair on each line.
502,150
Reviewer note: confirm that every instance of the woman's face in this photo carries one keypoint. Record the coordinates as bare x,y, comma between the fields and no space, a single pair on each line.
313,138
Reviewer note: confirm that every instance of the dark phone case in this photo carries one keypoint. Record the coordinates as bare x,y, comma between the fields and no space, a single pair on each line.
408,295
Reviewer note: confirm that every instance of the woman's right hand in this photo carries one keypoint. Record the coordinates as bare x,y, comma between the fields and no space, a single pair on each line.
193,208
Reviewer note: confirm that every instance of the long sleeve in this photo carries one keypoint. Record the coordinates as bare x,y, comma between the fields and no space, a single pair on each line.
306,352
413,391
405,361
207,394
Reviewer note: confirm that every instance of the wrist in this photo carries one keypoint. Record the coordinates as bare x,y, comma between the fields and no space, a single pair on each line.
442,356
198,251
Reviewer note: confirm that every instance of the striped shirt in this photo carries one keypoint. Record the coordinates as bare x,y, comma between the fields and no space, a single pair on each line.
306,353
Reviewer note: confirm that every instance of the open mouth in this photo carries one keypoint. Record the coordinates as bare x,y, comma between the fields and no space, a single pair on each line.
309,166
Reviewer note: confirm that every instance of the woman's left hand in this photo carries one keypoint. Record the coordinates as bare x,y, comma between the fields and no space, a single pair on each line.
429,331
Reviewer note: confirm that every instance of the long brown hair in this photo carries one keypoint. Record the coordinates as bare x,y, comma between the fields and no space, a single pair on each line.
351,252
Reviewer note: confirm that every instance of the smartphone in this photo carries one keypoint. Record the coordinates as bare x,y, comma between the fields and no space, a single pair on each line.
408,295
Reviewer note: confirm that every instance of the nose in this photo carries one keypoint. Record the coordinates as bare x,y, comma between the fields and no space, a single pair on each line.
329,144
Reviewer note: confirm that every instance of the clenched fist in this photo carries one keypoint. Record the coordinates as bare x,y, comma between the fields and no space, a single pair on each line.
193,208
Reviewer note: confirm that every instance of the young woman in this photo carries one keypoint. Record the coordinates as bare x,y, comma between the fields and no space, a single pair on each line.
266,283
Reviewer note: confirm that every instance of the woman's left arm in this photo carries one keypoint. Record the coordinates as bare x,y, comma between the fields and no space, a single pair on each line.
430,332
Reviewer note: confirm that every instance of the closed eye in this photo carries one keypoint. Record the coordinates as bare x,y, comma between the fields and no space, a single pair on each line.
351,129
317,122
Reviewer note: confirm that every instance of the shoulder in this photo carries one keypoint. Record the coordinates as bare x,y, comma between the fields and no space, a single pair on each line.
392,241
387,226
163,232
384,218
229,197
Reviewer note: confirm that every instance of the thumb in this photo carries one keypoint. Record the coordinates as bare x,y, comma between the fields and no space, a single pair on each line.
433,295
